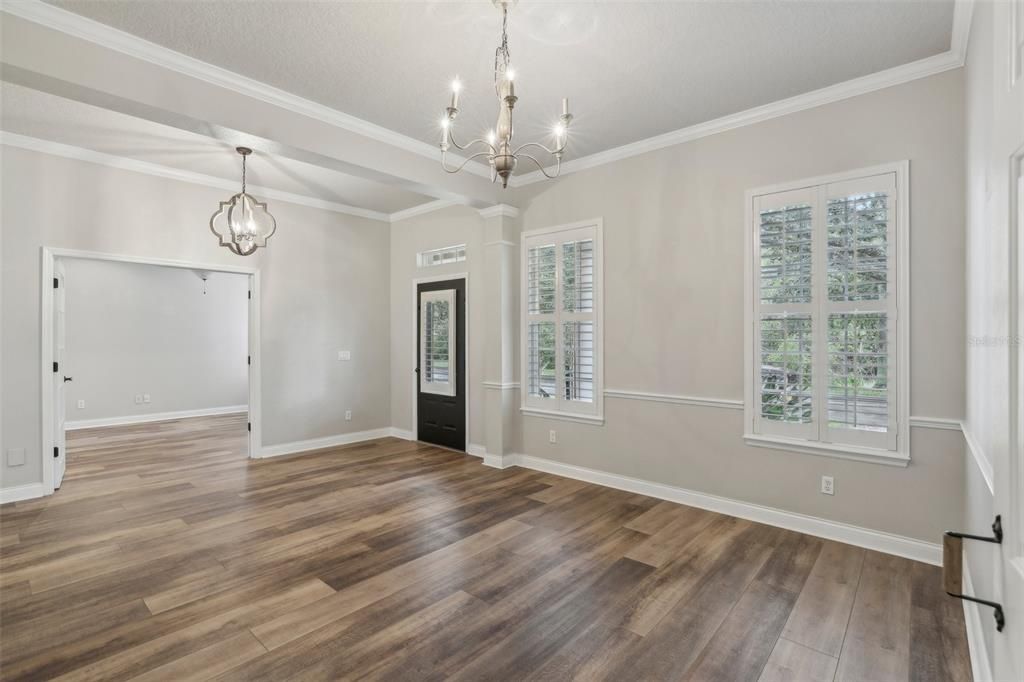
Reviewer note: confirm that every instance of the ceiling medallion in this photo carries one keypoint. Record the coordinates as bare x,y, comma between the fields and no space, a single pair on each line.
243,224
497,148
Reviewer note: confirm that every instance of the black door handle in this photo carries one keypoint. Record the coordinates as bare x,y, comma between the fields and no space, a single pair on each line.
67,379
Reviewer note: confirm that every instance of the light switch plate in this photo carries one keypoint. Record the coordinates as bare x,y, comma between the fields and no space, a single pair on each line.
344,355
145,397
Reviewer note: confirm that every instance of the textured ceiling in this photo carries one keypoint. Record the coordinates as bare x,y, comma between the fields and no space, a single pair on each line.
632,70
36,114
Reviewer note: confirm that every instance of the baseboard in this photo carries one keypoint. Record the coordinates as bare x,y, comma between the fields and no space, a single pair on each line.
476,450
18,493
404,434
153,417
321,443
981,667
888,543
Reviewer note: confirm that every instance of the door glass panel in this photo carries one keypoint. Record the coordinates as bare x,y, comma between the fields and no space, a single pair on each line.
437,342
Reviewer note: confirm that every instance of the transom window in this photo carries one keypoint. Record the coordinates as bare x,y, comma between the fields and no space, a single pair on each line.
824,338
561,320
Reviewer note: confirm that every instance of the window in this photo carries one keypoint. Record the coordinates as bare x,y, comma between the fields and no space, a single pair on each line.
437,349
561,303
824,340
444,256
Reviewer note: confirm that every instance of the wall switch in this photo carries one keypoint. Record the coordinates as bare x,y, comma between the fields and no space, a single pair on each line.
145,397
138,398
81,404
348,415
828,485
344,355
15,457
552,436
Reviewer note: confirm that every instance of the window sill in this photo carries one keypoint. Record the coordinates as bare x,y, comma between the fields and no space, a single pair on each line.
594,420
860,454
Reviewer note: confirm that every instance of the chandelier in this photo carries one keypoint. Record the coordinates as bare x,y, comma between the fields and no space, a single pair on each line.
497,148
241,223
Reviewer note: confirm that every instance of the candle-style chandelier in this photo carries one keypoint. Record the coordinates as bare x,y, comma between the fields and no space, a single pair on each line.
497,148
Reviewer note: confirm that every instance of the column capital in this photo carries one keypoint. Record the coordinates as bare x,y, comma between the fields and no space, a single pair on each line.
499,210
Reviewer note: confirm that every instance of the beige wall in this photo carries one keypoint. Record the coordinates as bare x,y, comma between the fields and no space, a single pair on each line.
325,288
673,240
447,227
145,329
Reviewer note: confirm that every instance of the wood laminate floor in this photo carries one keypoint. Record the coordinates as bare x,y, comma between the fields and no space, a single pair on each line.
168,555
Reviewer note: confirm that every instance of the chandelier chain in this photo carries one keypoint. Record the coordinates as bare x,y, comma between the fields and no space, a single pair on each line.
243,174
502,57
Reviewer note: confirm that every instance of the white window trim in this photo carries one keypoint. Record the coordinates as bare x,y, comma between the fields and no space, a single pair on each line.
901,455
596,415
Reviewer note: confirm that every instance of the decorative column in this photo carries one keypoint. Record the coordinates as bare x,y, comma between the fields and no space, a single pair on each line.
501,333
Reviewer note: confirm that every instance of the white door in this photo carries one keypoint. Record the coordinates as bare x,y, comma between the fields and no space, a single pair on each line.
1008,204
60,376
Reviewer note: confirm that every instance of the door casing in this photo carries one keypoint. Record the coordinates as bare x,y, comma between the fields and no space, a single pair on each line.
415,353
47,411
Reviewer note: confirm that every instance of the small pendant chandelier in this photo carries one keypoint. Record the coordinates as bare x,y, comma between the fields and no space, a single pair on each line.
498,146
243,224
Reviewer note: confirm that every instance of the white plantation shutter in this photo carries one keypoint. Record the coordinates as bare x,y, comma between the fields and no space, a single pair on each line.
860,304
824,313
561,310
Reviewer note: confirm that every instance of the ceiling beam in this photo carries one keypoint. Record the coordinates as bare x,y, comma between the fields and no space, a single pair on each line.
170,89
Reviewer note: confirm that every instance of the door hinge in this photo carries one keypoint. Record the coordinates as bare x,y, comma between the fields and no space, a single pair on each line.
55,367
56,282
248,427
250,294
56,451
248,360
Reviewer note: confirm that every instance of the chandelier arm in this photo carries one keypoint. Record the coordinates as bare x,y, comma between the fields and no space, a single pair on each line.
523,146
464,147
558,166
444,165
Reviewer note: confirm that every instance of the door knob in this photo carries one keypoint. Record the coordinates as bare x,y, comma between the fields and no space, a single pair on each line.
67,379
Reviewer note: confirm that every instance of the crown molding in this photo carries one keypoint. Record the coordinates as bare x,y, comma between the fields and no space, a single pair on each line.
36,144
75,25
897,75
420,209
499,210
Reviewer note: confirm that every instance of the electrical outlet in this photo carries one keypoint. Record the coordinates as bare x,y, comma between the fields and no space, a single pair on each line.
348,415
344,355
552,436
145,397
81,404
138,398
828,485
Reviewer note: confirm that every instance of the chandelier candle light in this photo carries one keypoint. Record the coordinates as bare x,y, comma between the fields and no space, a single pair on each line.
241,223
498,149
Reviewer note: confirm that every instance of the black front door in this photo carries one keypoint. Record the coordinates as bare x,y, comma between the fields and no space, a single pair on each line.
441,363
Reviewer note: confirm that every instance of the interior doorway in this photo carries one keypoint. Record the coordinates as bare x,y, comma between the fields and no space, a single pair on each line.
441,362
158,340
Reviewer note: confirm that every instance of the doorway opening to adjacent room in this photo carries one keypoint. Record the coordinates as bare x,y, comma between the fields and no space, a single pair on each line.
220,354
440,402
